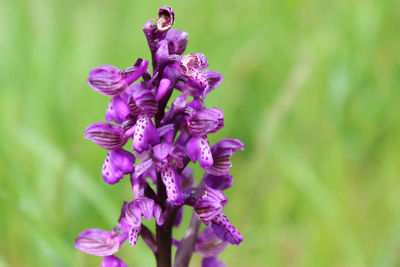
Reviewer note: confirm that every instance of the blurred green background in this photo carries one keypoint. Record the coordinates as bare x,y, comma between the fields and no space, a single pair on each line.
311,87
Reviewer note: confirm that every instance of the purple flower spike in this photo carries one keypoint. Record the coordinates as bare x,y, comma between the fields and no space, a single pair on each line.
210,204
208,244
106,135
112,261
145,133
117,163
168,133
212,262
198,148
165,18
97,242
177,41
224,229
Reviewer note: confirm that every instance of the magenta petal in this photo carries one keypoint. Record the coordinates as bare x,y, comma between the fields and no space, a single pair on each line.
198,148
202,123
144,100
139,71
112,261
208,244
122,160
225,230
172,184
134,235
111,114
106,135
214,79
146,205
110,173
221,182
222,152
158,214
145,133
97,242
107,80
212,262
177,41
163,88
121,107
210,204
133,215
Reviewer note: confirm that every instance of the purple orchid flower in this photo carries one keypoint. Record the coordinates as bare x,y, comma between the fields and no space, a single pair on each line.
167,135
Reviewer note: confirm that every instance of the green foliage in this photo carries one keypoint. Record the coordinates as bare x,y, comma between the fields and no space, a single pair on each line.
311,87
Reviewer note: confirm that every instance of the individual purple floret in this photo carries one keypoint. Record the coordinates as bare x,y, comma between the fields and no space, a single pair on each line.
162,136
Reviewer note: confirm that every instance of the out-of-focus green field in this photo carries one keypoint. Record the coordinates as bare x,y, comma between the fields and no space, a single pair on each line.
311,87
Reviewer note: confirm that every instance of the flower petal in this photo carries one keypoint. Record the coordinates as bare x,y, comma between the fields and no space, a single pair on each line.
198,148
202,123
107,80
106,135
222,152
172,184
97,242
225,230
122,160
133,215
221,182
110,173
144,99
163,88
208,244
146,205
210,204
134,235
212,262
112,261
145,133
158,214
214,79
177,41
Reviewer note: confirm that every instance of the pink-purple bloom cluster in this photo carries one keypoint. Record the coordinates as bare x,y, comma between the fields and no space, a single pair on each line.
164,136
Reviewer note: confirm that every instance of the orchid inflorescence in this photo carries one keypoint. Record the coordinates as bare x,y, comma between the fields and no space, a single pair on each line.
165,140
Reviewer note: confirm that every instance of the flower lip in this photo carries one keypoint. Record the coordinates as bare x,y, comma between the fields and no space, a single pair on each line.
165,18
